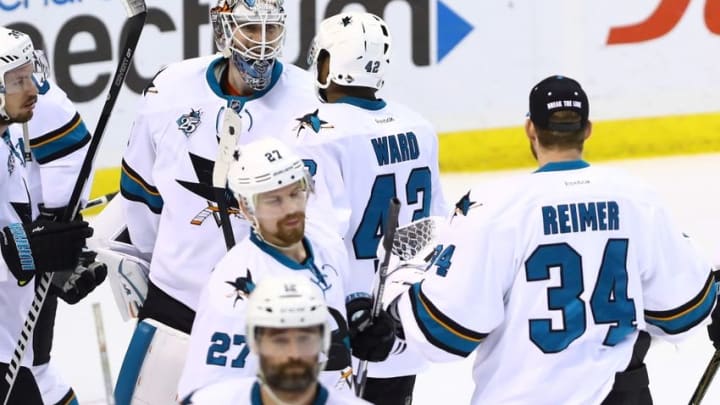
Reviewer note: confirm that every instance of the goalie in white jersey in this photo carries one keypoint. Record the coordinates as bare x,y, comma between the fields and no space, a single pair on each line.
551,277
363,151
271,185
44,141
170,207
287,328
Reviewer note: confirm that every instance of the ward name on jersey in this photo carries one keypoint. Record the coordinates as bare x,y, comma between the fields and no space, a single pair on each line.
217,342
58,141
557,272
167,168
362,153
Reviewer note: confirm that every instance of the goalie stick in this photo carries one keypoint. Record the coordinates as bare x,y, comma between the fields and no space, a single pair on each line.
229,133
136,11
390,227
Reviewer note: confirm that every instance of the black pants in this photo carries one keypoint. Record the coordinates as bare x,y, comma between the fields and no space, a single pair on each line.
390,391
631,385
163,308
25,390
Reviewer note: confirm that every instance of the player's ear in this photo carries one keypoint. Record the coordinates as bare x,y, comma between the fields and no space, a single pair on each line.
588,131
530,130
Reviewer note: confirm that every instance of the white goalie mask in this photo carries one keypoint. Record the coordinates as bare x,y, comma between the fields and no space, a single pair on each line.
359,46
251,33
262,166
289,301
16,50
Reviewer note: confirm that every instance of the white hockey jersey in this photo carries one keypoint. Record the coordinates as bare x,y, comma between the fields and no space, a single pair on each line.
248,391
362,153
217,346
166,178
58,141
549,278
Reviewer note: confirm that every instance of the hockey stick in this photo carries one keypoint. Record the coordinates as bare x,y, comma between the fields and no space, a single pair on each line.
136,11
102,200
712,366
229,133
390,227
706,379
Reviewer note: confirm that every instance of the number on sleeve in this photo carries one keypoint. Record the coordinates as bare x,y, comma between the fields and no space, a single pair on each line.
216,355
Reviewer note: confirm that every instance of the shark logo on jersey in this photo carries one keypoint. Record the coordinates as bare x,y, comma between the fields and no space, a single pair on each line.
311,121
464,204
204,189
14,155
243,287
188,123
347,20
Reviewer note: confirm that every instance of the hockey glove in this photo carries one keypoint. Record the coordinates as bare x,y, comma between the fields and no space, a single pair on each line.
42,246
73,286
370,339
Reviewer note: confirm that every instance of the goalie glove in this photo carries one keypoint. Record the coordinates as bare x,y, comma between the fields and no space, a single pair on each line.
73,286
42,246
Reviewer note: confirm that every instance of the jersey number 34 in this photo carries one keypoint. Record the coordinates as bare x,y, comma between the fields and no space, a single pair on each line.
609,302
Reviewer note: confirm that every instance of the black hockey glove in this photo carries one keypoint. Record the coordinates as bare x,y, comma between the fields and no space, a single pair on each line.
73,286
370,339
42,246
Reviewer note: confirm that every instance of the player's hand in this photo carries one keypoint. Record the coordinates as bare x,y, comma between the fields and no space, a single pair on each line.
73,286
371,339
42,246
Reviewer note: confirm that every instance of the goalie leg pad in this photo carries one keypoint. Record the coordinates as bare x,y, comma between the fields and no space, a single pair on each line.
128,277
152,366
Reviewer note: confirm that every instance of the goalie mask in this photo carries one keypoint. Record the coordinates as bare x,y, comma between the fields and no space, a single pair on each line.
262,166
359,47
16,50
251,34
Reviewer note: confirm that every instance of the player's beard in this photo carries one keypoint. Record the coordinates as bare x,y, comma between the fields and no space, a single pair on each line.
287,235
26,114
293,376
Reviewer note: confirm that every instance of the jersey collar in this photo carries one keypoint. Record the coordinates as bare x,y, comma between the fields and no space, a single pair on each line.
320,399
372,105
276,254
567,165
215,86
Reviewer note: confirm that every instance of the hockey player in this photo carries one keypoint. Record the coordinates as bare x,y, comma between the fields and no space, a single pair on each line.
44,143
271,185
364,151
169,205
287,328
560,270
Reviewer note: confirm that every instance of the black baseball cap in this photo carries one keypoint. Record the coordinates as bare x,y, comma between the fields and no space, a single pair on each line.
558,93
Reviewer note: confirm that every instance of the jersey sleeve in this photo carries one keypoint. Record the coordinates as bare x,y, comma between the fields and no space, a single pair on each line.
460,301
59,141
142,202
678,288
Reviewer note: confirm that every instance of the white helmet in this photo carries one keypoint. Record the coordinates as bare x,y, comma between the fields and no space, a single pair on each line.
264,165
16,49
253,56
289,301
359,46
